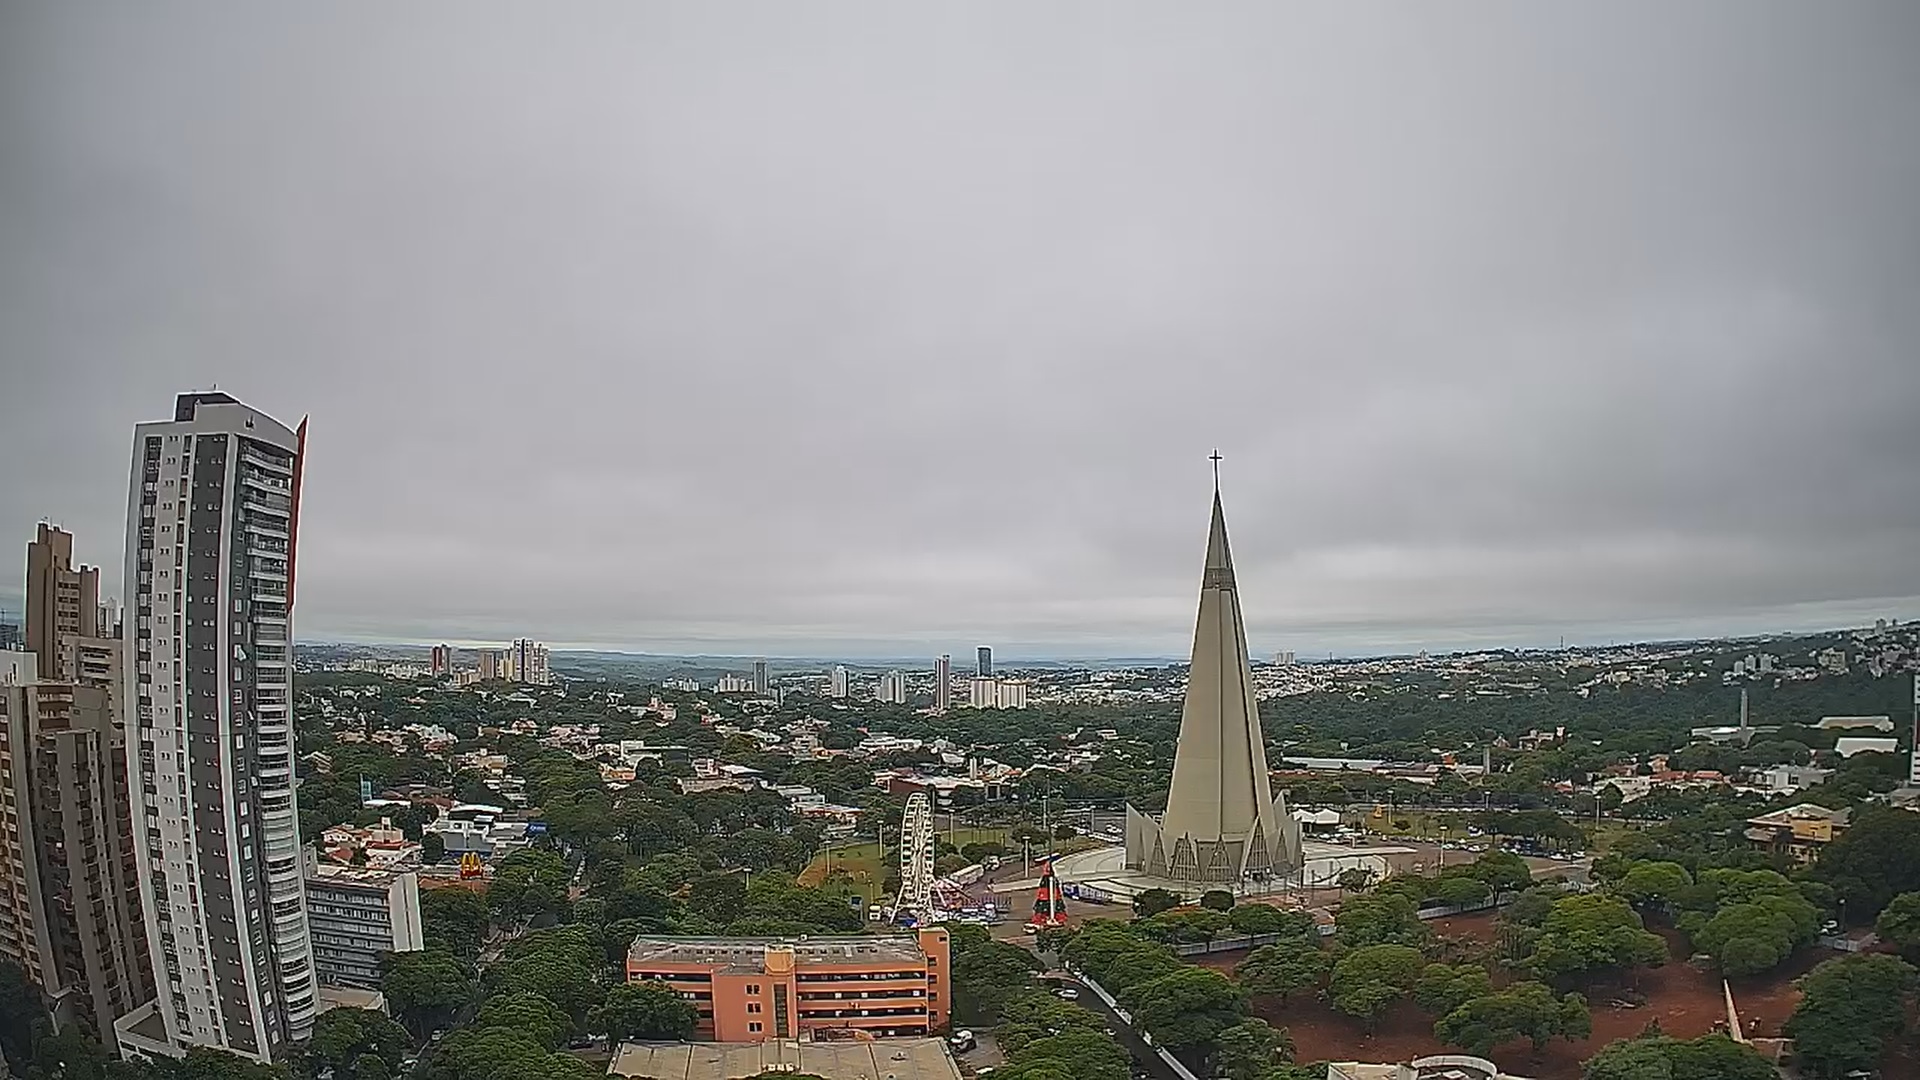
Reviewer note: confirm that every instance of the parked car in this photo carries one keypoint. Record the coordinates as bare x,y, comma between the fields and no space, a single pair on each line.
961,1041
1067,993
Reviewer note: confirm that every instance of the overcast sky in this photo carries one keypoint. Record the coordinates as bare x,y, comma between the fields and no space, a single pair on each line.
881,329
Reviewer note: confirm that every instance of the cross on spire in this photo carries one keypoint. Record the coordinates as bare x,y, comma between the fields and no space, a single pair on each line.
1215,458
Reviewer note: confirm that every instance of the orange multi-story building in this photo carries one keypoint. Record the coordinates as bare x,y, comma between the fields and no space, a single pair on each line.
749,989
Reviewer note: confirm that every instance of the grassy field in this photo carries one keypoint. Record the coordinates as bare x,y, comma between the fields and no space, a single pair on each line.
865,867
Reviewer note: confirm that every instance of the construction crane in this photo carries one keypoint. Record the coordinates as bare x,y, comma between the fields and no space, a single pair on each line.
917,853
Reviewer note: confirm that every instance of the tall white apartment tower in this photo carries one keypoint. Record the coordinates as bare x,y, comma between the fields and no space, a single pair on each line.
943,683
211,523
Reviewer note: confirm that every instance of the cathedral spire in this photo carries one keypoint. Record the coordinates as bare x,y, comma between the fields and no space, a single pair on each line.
1222,822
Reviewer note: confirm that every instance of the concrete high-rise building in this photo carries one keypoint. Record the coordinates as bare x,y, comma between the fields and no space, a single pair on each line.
983,660
492,664
1283,658
211,530
1913,764
943,683
983,693
760,678
837,682
1013,693
12,638
991,693
359,914
70,908
63,601
442,659
1222,822
527,663
892,689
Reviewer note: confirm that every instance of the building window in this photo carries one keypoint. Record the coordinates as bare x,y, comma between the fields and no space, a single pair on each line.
753,1006
754,1026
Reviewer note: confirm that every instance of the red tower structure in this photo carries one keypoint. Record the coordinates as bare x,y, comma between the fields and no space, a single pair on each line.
1049,903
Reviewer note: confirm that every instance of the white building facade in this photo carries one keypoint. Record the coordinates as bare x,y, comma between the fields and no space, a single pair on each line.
209,569
358,915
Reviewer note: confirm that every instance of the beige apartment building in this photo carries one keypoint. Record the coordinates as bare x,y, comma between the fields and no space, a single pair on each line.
70,908
63,601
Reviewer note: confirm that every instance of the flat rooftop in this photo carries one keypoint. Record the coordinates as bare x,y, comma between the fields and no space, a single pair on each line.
751,952
881,1059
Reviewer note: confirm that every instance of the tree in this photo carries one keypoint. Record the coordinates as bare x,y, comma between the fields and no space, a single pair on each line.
644,1010
1745,939
1283,967
1386,919
1584,935
1847,1009
1874,860
342,1036
986,974
1661,1057
1503,871
1246,1050
1184,1008
530,1013
1526,1009
499,1053
423,986
206,1063
1035,1016
454,920
1355,878
1217,900
1459,890
1443,988
1073,1054
1899,922
1655,883
1371,977
1267,919
1150,902
21,1009
433,848
720,897
558,964
1139,966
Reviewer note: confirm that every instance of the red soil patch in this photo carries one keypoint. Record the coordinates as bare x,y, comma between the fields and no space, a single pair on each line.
1686,1001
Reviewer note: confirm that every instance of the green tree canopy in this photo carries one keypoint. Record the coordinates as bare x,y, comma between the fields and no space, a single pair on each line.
1525,1009
546,1022
1267,919
1899,922
1151,902
1658,883
1284,967
1874,860
986,974
424,986
1368,979
1709,1057
1186,1007
643,1010
1584,935
1382,919
341,1036
1443,988
1847,1009
1248,1049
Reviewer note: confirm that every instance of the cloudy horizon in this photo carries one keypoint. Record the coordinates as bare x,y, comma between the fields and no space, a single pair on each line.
847,329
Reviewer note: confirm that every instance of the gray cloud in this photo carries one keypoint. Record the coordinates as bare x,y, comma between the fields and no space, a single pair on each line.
851,327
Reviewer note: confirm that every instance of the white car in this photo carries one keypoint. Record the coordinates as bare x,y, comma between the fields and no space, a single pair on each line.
1067,993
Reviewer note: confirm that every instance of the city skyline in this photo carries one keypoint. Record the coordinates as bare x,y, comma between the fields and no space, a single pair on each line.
1497,353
